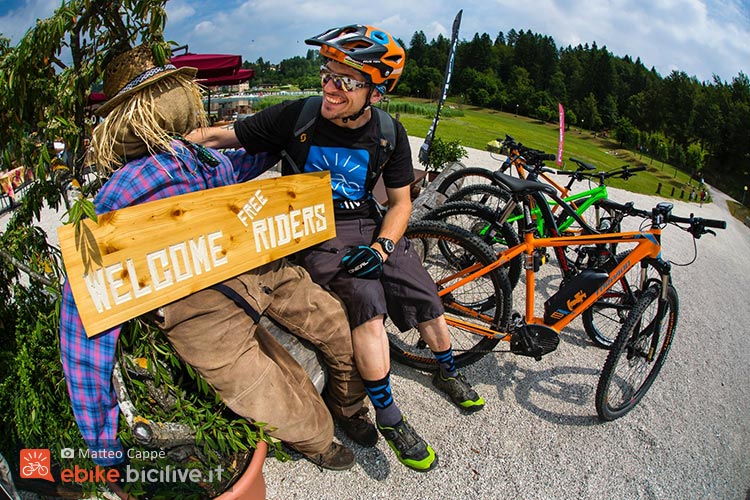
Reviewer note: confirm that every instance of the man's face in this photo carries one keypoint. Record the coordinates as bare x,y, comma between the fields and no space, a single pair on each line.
341,103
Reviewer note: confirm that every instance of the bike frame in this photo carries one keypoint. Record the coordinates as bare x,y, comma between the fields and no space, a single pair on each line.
590,197
647,252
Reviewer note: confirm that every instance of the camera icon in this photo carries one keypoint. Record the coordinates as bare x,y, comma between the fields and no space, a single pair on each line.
67,453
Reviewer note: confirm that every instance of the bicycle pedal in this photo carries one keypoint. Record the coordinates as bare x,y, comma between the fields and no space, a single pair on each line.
534,341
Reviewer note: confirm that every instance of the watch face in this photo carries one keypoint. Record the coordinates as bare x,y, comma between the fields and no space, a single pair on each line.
387,245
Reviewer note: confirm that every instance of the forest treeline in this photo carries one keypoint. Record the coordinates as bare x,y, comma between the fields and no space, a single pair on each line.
702,128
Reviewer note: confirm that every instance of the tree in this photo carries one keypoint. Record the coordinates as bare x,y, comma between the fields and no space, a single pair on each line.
521,89
589,114
678,93
626,133
418,48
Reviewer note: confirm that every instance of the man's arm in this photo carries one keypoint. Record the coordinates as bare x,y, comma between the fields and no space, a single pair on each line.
215,137
396,218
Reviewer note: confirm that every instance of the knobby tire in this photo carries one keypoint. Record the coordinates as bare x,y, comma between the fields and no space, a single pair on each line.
628,374
485,301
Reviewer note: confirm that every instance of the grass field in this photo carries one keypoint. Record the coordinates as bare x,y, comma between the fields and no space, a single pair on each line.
479,126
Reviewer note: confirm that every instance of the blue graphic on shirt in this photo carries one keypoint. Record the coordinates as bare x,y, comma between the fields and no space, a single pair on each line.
348,169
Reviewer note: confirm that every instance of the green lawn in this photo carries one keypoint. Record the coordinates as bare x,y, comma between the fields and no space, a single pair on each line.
739,212
478,126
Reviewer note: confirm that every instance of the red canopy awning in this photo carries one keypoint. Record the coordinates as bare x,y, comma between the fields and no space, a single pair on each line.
215,70
96,98
209,65
242,75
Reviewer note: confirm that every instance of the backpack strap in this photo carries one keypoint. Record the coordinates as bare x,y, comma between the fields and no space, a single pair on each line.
237,299
295,154
385,147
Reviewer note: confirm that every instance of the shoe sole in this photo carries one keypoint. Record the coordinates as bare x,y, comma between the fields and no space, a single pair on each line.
414,467
331,467
473,407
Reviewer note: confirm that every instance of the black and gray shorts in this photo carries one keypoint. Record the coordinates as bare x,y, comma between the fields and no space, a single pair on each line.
405,291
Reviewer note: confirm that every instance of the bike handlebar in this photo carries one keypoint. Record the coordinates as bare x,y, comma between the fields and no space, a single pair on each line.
635,169
624,172
531,155
662,213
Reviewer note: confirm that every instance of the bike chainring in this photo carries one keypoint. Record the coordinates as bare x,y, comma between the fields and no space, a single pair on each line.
534,340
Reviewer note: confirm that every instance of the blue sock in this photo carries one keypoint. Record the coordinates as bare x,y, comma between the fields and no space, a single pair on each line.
447,363
387,413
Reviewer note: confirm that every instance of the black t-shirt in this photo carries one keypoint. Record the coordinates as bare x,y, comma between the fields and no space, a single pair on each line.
345,152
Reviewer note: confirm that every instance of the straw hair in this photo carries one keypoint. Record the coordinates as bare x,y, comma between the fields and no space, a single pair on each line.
145,122
132,70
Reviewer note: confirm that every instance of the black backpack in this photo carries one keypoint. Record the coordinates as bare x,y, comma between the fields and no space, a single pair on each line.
296,151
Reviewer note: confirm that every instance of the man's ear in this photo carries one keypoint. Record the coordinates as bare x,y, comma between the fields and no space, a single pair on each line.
375,96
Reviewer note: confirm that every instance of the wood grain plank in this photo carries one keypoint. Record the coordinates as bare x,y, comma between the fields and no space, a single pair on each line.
139,258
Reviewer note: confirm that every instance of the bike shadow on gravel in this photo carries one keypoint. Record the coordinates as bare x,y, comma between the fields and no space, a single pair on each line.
558,394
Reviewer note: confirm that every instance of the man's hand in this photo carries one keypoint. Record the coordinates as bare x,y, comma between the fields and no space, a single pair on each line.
363,262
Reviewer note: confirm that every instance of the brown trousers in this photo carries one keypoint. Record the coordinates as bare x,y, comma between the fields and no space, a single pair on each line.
256,377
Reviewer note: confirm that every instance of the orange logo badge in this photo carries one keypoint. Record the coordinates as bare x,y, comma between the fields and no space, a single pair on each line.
36,464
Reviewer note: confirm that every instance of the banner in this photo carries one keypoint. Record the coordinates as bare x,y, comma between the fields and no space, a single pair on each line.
142,257
561,138
425,149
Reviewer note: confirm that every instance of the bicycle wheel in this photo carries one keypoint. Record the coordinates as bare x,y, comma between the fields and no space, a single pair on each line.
463,178
604,319
482,222
637,355
489,196
483,302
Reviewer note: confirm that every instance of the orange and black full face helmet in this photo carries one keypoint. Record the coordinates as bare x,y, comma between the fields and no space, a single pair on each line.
370,50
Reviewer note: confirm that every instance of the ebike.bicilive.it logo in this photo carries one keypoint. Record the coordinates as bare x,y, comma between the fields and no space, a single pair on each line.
36,464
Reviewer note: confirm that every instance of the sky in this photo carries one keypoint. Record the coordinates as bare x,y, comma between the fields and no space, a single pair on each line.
703,38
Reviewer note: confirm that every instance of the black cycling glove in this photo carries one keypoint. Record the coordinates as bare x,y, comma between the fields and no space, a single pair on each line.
363,262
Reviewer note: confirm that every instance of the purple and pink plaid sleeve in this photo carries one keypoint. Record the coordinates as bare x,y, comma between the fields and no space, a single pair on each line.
88,362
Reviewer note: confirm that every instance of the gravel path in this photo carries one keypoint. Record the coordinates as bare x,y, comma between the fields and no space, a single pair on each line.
538,436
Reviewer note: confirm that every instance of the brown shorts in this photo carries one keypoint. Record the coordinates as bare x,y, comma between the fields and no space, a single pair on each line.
251,371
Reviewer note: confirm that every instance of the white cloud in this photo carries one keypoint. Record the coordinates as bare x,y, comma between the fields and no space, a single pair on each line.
699,37
21,15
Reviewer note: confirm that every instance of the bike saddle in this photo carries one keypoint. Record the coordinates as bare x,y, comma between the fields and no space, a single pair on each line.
522,186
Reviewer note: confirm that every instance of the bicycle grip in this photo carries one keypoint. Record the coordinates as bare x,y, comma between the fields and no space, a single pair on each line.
699,221
637,169
718,224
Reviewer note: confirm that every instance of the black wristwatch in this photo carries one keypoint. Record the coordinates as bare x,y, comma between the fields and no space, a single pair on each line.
388,245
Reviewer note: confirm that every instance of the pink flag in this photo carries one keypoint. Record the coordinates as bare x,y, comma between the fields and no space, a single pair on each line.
561,139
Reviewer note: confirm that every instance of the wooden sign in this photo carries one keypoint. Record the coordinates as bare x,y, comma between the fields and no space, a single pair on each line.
142,257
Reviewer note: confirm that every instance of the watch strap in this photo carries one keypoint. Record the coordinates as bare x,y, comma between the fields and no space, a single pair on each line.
387,245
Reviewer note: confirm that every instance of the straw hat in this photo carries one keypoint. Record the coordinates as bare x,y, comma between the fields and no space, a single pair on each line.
131,71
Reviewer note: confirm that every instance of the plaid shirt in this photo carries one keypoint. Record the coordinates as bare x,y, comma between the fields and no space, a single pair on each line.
88,362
